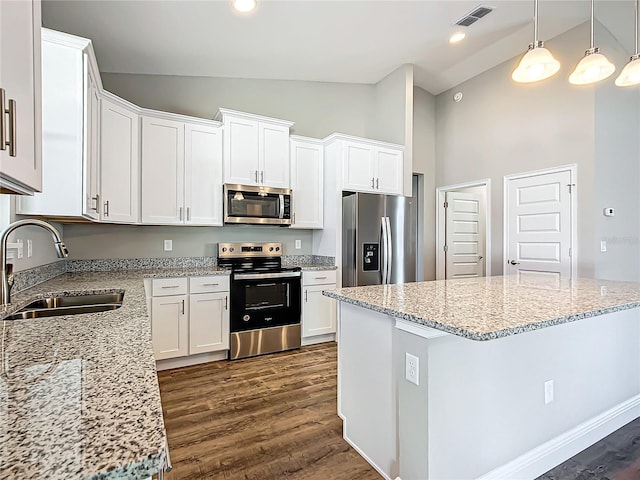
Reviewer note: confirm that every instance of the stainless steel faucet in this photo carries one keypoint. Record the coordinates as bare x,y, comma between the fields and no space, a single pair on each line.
6,270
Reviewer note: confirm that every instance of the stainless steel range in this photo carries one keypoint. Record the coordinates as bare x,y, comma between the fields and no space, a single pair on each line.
265,299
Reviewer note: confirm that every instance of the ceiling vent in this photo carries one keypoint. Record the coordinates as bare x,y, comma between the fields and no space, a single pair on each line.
474,16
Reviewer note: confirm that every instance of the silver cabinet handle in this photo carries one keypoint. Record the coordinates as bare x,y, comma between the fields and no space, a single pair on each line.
97,204
513,262
210,284
320,278
256,172
106,208
480,257
12,128
3,131
261,176
170,286
188,214
180,214
183,306
306,295
372,182
226,302
377,184
293,220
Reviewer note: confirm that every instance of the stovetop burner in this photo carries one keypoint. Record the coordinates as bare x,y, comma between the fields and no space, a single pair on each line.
252,257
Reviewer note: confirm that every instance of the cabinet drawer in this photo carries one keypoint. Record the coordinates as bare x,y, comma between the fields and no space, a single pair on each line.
318,277
162,287
213,283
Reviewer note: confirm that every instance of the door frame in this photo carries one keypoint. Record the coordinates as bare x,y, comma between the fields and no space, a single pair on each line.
440,226
573,169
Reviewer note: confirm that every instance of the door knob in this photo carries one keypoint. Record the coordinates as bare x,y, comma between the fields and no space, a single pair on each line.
480,257
513,262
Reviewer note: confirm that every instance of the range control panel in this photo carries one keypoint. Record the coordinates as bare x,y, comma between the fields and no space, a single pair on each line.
370,257
237,250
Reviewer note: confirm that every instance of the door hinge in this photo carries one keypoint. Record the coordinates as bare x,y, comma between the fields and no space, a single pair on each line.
446,248
446,204
571,185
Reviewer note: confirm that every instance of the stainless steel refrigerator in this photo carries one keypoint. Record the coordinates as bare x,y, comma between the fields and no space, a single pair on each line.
379,234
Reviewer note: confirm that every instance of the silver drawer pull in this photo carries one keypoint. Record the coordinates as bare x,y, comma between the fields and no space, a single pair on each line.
320,278
210,284
170,286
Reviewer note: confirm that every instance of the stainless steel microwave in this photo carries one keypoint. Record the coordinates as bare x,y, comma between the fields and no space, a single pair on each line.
257,205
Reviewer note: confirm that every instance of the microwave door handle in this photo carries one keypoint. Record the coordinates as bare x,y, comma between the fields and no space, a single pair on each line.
281,196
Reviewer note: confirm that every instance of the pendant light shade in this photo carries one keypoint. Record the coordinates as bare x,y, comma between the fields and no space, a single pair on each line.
630,74
594,66
538,63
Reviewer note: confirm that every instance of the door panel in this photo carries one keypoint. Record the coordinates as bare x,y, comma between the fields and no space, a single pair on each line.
402,215
369,213
390,165
464,235
274,147
241,152
359,167
169,326
538,213
208,322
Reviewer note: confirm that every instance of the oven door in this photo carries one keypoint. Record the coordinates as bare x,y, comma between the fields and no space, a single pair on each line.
257,205
262,300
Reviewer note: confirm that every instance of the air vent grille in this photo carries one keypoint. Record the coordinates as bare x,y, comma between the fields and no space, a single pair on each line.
474,16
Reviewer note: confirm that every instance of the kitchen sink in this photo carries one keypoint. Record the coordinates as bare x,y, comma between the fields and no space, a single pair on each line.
69,305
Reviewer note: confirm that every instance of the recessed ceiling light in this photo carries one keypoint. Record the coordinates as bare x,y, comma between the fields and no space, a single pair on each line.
244,6
457,37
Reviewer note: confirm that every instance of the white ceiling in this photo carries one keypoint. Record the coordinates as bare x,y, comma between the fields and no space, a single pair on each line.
320,40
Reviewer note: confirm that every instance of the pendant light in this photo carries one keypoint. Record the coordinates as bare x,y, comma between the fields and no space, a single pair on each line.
594,66
538,63
630,74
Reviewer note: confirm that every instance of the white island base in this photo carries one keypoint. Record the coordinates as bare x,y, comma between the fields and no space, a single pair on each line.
479,410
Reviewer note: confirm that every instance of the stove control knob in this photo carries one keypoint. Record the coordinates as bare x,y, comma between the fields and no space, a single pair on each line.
271,249
277,249
231,249
224,249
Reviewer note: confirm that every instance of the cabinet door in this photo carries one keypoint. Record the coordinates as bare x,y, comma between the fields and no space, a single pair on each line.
274,155
21,171
162,171
208,322
358,167
170,326
203,175
119,164
91,203
241,151
318,311
390,167
307,184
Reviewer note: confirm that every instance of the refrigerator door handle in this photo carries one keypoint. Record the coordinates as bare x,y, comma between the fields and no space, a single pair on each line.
383,250
389,253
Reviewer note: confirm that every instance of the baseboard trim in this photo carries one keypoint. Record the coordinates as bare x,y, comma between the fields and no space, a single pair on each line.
190,360
329,337
559,449
363,455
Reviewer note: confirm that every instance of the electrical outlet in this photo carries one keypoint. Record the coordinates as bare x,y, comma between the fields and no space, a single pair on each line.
412,368
29,248
603,245
298,244
548,392
168,245
20,248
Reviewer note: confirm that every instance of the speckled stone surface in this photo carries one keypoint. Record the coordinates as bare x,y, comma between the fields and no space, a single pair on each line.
28,278
79,394
493,307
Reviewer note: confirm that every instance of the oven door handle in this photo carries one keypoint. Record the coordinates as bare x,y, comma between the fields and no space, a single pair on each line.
281,206
260,276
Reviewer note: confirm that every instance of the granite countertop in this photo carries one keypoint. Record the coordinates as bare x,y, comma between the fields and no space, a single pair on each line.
487,308
79,394
310,266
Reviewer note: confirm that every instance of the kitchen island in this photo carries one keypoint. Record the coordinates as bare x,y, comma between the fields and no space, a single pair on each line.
79,395
500,394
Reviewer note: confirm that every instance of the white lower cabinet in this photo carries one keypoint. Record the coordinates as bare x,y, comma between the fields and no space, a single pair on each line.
189,316
318,311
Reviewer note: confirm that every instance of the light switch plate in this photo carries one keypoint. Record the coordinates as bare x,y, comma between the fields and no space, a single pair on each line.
168,245
298,244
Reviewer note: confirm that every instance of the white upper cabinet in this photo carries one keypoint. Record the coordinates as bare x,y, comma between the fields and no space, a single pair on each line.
307,160
20,161
181,170
370,166
70,130
119,160
255,149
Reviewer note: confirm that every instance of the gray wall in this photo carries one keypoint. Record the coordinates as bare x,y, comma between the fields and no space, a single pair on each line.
424,159
501,128
317,108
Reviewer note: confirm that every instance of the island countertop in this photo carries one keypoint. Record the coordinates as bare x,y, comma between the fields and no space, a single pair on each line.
487,308
79,394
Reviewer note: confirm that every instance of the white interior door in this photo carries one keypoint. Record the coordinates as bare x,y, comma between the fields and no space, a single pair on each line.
539,225
464,235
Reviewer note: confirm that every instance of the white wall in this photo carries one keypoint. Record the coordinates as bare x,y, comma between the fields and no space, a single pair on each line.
501,128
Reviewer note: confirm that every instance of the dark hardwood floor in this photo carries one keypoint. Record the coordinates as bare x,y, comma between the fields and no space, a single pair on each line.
274,417
262,418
